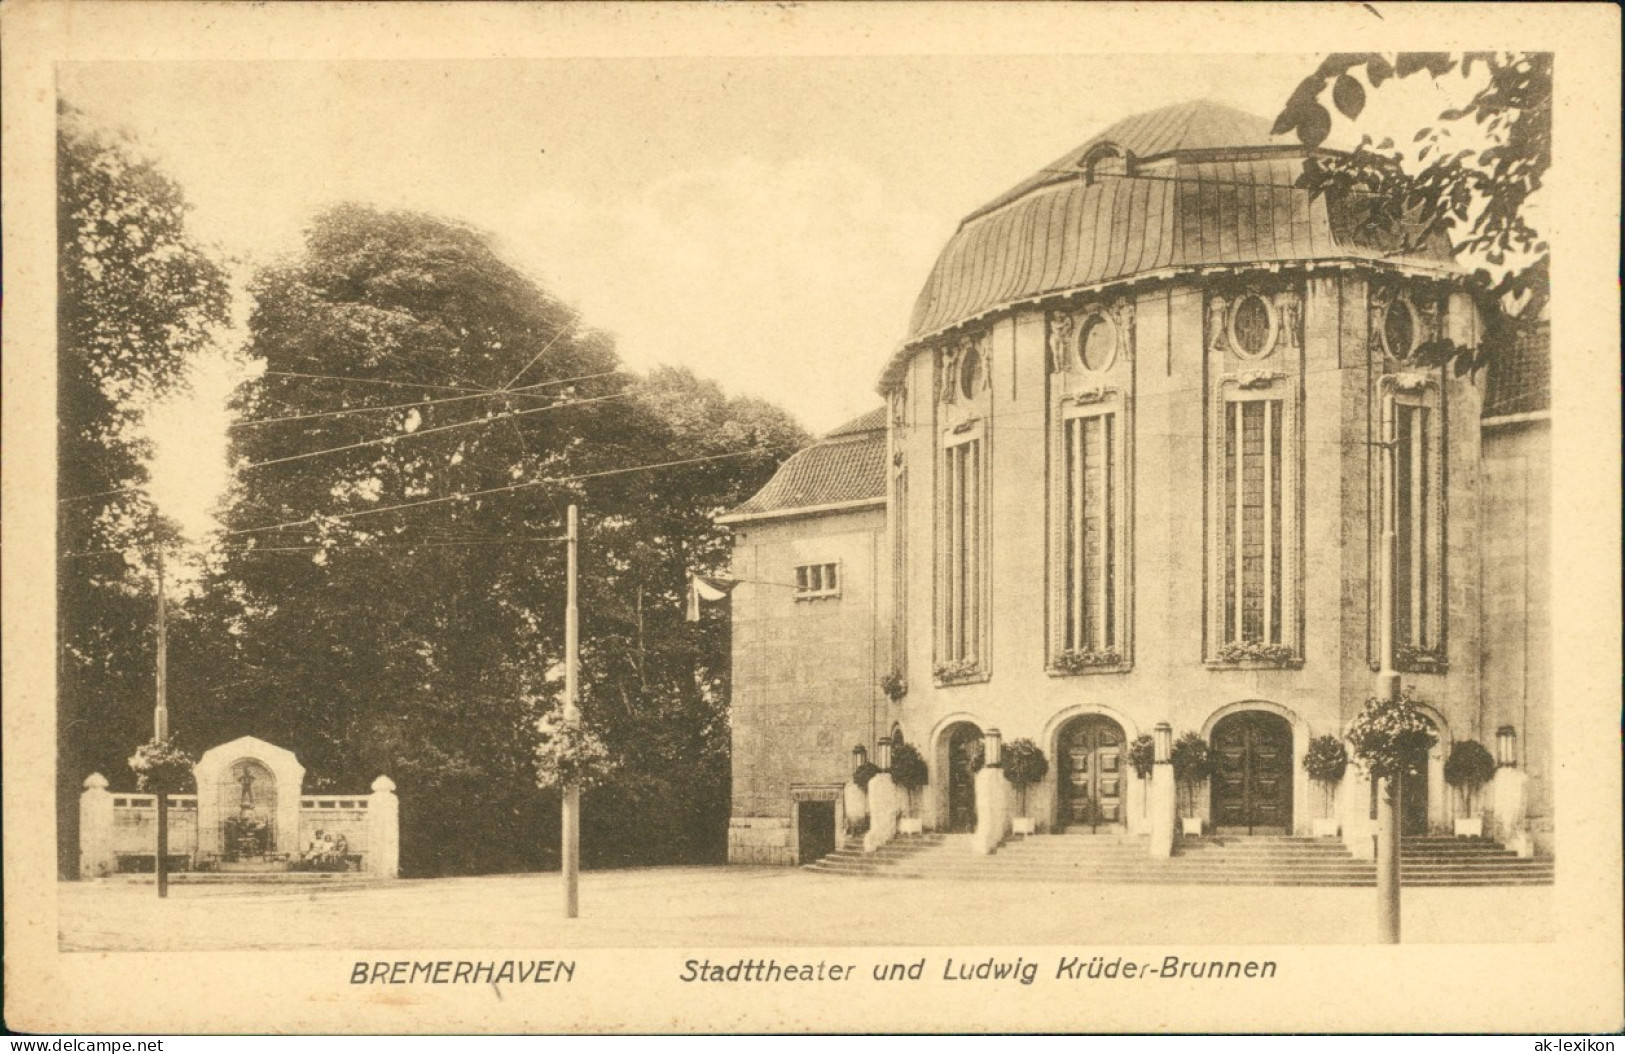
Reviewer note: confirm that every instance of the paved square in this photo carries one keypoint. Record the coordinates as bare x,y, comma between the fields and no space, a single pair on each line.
714,907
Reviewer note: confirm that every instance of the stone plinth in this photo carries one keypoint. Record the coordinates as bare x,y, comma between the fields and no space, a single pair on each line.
992,810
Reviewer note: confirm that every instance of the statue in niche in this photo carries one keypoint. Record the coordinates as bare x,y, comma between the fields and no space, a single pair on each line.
1061,326
1290,319
1215,323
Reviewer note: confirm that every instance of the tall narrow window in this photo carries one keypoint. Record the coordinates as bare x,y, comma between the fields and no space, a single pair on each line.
1253,516
1413,528
962,541
1091,551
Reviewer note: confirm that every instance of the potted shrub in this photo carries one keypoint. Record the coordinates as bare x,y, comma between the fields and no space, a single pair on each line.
857,798
1192,765
1142,755
160,767
1325,762
908,772
894,685
1391,737
1469,766
1024,765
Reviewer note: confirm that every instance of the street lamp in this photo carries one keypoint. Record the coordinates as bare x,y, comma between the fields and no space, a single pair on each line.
992,749
1506,747
1162,740
883,754
860,755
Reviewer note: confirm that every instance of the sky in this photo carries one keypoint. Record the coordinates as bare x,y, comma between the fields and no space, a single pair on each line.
767,222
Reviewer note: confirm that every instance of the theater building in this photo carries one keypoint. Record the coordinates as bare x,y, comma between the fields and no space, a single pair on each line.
1131,470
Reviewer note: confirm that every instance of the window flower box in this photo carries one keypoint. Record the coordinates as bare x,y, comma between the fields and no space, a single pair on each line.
1410,659
1086,660
1252,653
960,671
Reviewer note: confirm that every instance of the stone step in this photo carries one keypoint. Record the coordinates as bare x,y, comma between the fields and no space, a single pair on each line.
1280,860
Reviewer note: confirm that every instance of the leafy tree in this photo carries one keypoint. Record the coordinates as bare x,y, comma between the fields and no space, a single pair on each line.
137,300
1477,199
389,594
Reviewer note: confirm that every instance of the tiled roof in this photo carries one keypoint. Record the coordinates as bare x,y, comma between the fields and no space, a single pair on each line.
848,465
1521,381
1225,196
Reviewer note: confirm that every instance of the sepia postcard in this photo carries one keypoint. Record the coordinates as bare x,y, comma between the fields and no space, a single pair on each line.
785,517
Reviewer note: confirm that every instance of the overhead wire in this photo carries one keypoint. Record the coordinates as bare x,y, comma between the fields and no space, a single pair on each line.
468,495
524,389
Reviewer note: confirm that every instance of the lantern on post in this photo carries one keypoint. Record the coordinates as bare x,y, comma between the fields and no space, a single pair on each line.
1162,738
992,749
860,755
883,754
1506,747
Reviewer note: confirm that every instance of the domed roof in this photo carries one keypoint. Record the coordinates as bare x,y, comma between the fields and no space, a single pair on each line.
1189,186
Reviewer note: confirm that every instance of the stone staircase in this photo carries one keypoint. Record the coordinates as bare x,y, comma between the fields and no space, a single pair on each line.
1220,860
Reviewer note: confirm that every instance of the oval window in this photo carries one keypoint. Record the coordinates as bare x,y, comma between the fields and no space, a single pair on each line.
1252,327
1399,330
1097,344
970,372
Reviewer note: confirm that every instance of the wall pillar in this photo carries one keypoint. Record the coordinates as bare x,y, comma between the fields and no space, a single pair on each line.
383,829
1509,798
1359,829
855,801
992,810
1164,809
95,828
882,812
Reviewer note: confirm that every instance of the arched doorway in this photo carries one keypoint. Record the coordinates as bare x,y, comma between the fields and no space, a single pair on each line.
964,742
1414,792
1252,774
1089,773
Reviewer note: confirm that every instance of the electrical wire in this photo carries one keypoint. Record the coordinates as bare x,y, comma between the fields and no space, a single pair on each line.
524,389
387,440
464,496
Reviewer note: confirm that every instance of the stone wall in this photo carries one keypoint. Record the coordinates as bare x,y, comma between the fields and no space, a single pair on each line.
1517,605
806,672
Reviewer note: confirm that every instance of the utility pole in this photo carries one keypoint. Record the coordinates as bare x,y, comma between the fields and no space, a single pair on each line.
571,806
1388,788
160,726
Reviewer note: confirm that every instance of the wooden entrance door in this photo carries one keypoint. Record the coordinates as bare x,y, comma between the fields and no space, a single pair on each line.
1252,777
1091,773
815,830
963,741
1413,802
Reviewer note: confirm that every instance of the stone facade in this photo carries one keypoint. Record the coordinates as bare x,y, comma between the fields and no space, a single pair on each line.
1141,446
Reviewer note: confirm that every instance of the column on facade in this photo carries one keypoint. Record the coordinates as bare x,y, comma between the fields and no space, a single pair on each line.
1164,795
383,829
992,798
883,810
95,828
1359,827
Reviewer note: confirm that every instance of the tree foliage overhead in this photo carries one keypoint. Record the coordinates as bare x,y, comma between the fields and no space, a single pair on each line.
137,300
1477,198
389,594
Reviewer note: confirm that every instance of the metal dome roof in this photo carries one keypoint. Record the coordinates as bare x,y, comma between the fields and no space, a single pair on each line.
1204,186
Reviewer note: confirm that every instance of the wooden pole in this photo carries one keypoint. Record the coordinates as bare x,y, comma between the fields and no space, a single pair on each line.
160,727
571,806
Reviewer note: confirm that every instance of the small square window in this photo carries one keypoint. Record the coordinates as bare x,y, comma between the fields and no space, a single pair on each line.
817,580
